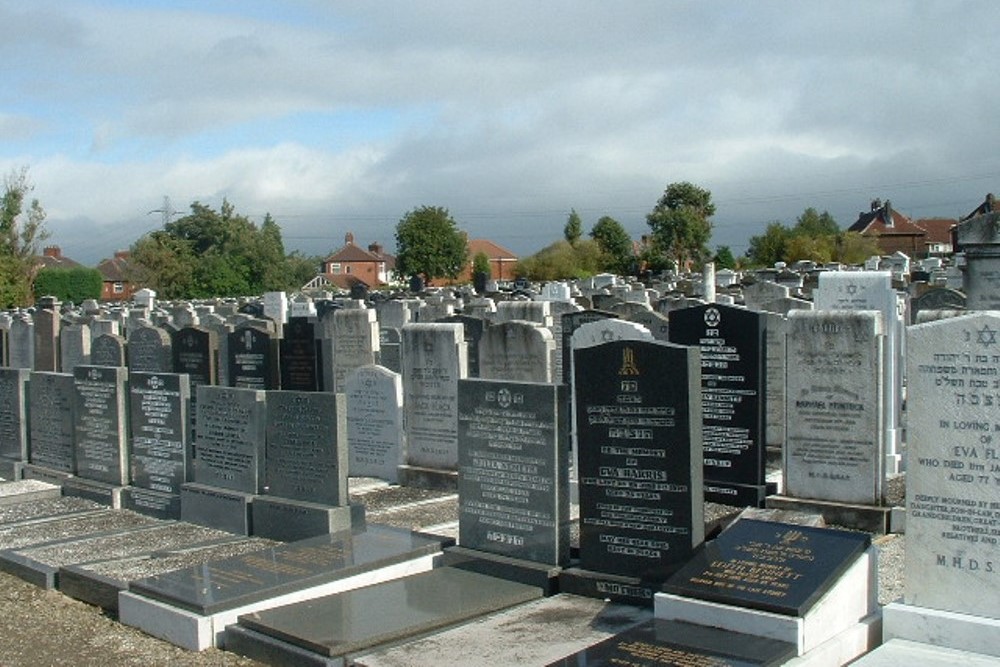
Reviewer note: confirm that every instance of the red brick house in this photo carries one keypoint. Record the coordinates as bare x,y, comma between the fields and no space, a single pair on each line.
352,264
114,286
894,231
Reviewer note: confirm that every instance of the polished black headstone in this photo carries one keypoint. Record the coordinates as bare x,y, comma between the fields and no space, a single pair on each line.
158,405
194,351
639,481
732,343
101,424
241,580
776,567
660,643
252,362
301,357
513,470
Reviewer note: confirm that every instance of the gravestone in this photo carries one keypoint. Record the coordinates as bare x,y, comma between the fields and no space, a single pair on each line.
434,360
47,323
74,346
300,357
305,467
195,351
355,343
639,449
936,298
252,361
980,243
658,325
51,421
21,353
102,448
228,466
474,328
833,442
513,470
389,353
158,407
375,437
732,343
107,350
518,351
570,323
872,290
558,309
13,421
149,351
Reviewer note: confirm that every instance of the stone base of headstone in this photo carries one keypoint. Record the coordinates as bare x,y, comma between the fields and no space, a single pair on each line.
327,630
527,572
152,503
26,490
10,469
846,612
603,586
290,520
99,492
219,508
897,652
948,629
738,495
869,518
41,473
515,636
428,478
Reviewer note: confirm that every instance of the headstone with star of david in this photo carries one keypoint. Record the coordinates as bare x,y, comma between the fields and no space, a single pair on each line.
953,513
733,392
252,358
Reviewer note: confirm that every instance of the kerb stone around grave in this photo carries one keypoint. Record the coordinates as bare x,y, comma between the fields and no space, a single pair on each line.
953,513
833,441
513,470
375,436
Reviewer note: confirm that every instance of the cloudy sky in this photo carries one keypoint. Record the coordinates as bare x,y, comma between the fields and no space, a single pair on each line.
342,116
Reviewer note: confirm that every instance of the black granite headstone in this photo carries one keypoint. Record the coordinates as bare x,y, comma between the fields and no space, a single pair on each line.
149,350
107,350
733,355
473,327
776,567
252,361
304,459
301,357
159,404
513,470
640,512
101,424
194,351
660,643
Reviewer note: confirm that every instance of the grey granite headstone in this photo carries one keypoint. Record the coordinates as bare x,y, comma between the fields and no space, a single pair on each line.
21,353
51,419
14,414
74,346
355,342
518,351
149,351
47,324
375,422
231,436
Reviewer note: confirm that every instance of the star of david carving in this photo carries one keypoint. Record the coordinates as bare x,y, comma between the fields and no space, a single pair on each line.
852,289
986,336
607,335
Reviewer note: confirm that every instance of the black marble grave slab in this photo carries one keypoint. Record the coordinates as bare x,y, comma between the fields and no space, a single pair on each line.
364,618
233,582
659,643
776,567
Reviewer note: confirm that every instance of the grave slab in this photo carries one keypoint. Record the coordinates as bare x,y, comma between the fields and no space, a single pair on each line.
533,633
191,607
221,508
948,629
101,492
23,534
27,490
362,619
290,520
657,642
897,652
41,510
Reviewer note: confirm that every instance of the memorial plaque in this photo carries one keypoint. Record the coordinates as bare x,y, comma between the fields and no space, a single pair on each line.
51,411
14,413
159,405
252,362
231,437
777,567
732,343
639,444
107,350
149,351
101,424
953,510
375,423
474,328
306,460
300,357
833,441
513,493
234,582
660,643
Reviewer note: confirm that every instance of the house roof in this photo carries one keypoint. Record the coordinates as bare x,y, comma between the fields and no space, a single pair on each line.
876,222
113,269
346,281
988,206
490,249
353,253
52,258
938,229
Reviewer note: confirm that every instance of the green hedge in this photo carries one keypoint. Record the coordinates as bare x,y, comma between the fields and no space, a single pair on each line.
74,285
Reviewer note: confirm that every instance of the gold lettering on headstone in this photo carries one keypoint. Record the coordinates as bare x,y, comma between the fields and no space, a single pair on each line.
629,367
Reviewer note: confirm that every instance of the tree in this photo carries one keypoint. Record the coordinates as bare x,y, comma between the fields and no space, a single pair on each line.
855,248
814,224
615,244
681,222
724,258
429,244
22,230
561,261
574,227
481,263
769,247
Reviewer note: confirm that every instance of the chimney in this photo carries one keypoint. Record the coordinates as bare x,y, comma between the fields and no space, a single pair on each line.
876,204
349,238
375,248
52,251
122,254
887,213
